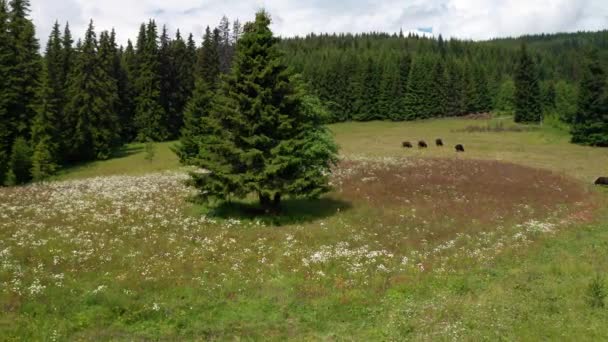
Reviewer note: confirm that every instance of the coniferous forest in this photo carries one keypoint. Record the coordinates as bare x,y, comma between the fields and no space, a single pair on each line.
79,99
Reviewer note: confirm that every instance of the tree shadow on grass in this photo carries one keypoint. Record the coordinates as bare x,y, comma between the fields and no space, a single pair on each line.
120,153
293,211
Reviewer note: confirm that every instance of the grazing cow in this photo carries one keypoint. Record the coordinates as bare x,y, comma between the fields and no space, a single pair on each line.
439,142
602,181
422,144
407,144
459,148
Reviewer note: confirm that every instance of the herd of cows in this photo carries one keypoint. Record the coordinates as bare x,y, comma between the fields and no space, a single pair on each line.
438,143
603,181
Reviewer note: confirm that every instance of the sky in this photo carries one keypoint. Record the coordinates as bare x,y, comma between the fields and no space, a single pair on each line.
466,19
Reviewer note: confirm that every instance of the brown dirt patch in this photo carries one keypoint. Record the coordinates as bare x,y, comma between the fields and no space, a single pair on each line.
453,195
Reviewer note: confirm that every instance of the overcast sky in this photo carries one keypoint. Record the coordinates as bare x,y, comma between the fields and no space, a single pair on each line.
475,19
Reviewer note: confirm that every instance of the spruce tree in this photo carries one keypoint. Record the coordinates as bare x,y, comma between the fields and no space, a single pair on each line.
44,129
129,66
199,105
150,116
528,108
590,125
265,136
418,99
505,100
225,45
24,71
182,83
20,163
5,119
566,97
93,124
209,63
454,84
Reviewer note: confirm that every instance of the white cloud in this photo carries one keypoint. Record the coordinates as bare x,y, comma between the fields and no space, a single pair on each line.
476,19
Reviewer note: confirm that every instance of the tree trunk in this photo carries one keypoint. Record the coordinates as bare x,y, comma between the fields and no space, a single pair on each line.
270,204
265,201
277,200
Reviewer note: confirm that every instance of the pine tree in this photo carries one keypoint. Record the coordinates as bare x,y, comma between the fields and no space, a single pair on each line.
209,62
265,136
182,83
505,101
590,125
93,128
44,128
68,56
528,106
418,99
454,84
237,31
150,117
5,119
198,107
129,66
20,163
225,45
566,97
24,71
368,107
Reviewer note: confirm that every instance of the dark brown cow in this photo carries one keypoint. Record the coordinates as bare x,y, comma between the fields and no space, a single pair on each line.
459,148
602,181
407,144
439,142
422,144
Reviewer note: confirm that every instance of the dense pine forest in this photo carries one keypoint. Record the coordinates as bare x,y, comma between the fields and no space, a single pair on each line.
80,99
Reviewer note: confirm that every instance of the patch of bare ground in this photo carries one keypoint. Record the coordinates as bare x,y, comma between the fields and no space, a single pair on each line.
443,198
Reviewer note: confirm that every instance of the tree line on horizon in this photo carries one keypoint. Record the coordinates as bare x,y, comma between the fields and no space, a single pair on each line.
79,101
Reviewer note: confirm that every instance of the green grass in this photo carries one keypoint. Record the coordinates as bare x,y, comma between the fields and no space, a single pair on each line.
127,258
547,148
129,160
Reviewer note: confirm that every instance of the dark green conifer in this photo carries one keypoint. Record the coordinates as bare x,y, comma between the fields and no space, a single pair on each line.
5,92
265,136
528,106
150,116
91,110
45,136
24,69
590,125
20,163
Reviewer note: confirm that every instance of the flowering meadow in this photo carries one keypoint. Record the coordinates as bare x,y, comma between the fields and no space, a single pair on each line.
132,257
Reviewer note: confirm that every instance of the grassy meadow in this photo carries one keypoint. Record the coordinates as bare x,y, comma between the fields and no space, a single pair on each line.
507,241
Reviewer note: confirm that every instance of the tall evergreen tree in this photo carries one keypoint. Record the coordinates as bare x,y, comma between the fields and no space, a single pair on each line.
418,98
237,31
528,106
199,105
591,119
225,45
209,62
93,128
24,71
129,66
181,83
5,92
150,116
20,163
45,136
264,136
